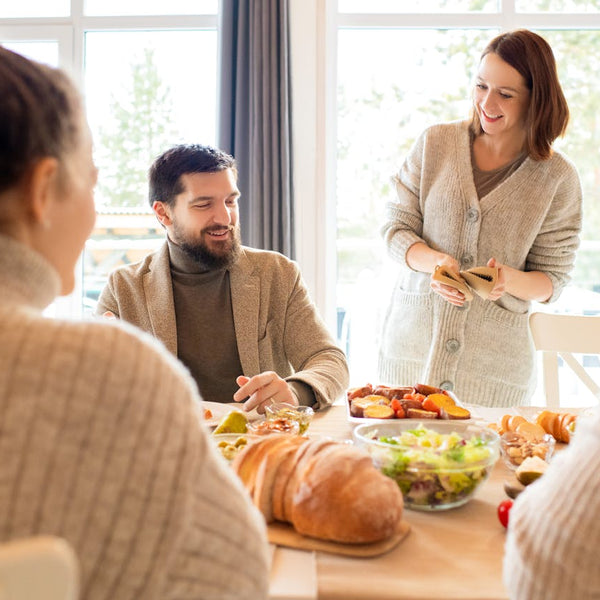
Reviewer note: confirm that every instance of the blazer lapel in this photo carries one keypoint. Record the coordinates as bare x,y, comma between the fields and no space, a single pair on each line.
245,301
158,291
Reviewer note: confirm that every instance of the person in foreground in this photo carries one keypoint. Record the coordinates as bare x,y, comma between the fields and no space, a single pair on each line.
553,537
493,193
240,319
101,437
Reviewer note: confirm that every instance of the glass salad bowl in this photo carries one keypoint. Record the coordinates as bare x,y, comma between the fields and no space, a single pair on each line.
438,465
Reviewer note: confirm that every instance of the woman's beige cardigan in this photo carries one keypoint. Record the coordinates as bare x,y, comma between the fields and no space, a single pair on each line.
530,221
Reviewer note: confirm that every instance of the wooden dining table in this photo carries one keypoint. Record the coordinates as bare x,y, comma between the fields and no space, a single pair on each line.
454,554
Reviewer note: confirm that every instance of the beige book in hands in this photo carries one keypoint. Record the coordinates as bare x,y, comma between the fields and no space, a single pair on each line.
480,280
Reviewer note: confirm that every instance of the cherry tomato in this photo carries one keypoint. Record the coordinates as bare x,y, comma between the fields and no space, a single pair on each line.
395,404
503,511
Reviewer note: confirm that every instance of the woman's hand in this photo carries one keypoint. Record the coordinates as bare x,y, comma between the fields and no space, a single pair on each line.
263,389
525,285
500,287
447,292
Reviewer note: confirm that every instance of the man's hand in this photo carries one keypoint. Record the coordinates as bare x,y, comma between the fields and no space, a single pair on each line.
263,389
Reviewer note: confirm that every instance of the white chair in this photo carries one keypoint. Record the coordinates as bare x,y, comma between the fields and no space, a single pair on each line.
38,568
564,335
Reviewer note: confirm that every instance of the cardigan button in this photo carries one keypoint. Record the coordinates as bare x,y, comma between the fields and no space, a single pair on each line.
447,385
472,215
467,260
452,346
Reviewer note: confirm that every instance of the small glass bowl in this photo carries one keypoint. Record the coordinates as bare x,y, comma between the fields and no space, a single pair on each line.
431,475
274,425
515,448
301,414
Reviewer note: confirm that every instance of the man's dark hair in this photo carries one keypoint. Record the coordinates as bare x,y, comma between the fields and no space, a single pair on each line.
165,173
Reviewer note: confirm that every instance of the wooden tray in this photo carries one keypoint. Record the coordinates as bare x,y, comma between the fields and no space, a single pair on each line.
283,534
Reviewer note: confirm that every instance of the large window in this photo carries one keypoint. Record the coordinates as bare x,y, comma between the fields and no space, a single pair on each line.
397,74
146,90
148,70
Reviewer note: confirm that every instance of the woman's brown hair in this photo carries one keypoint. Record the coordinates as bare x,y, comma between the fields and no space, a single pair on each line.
39,115
548,113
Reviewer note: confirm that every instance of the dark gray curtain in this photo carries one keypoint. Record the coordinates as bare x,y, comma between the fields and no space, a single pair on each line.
255,117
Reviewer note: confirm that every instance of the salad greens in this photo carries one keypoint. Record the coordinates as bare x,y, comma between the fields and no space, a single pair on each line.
434,470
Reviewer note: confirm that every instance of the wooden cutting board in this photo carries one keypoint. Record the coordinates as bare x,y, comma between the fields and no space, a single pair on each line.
283,534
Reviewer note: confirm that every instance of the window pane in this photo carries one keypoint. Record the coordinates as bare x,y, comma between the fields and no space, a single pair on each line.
142,97
573,49
383,104
150,7
44,52
35,8
424,6
558,6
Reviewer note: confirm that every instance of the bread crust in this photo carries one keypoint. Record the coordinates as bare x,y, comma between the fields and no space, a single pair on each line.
312,448
267,472
343,498
326,489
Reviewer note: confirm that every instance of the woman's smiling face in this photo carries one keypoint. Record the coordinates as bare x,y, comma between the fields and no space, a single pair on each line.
500,97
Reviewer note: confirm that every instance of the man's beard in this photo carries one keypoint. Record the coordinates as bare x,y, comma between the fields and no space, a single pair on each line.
199,251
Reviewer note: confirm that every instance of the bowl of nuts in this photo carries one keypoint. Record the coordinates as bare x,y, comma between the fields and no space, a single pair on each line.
515,447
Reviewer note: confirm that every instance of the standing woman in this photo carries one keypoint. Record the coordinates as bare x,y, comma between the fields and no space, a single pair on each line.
100,434
489,192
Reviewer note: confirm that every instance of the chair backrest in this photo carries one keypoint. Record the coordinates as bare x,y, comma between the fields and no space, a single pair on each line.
38,568
564,335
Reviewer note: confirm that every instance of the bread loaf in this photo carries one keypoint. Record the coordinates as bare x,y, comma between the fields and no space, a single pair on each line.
343,498
325,489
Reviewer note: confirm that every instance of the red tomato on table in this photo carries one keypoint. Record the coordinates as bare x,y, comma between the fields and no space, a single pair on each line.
503,511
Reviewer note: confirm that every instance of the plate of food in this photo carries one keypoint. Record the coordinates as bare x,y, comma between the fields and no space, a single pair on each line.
214,412
418,402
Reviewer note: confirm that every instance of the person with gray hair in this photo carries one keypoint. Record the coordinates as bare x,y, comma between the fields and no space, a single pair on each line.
101,438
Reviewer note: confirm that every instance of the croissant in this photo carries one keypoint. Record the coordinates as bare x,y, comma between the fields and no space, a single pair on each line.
559,425
511,422
520,425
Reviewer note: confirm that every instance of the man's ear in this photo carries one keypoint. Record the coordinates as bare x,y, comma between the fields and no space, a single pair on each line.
162,212
42,190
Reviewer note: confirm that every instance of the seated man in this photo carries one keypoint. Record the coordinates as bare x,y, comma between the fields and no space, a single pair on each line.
240,319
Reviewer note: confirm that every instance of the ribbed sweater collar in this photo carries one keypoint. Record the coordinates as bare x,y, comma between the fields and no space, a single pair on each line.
26,277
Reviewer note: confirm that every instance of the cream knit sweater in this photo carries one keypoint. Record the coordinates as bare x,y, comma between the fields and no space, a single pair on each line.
101,443
553,541
530,221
